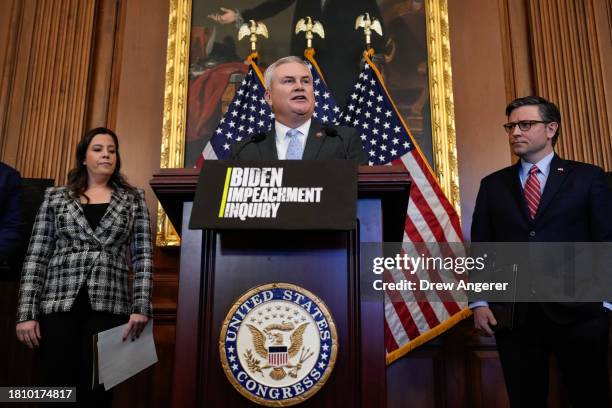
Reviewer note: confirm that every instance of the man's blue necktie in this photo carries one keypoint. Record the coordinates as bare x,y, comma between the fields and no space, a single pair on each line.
295,148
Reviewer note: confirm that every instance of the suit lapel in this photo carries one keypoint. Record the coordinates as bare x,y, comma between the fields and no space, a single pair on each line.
514,184
267,147
76,211
556,175
314,141
115,208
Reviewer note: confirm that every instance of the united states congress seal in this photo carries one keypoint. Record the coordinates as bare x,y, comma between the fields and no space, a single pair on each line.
278,344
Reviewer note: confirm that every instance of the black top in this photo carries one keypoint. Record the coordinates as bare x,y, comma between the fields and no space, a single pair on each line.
94,213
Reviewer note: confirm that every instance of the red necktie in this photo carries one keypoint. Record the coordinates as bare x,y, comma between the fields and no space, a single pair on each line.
532,191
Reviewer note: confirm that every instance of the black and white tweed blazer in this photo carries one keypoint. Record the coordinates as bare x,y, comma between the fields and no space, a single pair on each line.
64,254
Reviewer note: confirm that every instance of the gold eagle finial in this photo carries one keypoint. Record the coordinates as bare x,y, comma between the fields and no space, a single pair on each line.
252,29
368,24
309,26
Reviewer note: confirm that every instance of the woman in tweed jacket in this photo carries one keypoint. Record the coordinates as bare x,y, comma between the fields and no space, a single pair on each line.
75,277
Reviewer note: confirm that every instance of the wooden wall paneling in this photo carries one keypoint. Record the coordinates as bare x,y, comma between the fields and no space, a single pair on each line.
70,71
571,116
576,116
455,344
104,60
505,26
55,112
487,381
515,48
565,89
138,111
48,110
417,380
603,143
602,11
79,125
10,18
589,128
39,105
582,110
521,57
9,15
536,42
73,88
64,52
50,96
478,83
569,70
16,81
33,85
117,65
74,127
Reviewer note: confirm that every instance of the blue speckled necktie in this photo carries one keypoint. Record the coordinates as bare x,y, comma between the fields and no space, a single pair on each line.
295,148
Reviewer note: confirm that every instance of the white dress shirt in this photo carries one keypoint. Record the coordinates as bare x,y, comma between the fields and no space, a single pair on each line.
542,175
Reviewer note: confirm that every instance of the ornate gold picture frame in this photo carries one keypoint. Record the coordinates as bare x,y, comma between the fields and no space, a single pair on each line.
443,136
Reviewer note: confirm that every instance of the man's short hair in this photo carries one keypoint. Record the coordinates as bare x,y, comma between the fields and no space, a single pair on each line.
285,60
548,110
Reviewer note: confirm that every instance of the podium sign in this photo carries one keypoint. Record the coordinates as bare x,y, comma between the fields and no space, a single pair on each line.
225,272
276,195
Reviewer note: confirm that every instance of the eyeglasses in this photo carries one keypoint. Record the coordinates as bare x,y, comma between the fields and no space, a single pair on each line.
524,125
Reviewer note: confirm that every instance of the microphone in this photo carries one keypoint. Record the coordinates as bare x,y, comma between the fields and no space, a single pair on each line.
256,138
332,132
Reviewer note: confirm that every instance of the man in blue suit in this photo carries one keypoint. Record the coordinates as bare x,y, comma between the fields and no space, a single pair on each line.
544,198
10,212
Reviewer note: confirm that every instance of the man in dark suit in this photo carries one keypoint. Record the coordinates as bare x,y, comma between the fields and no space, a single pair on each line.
544,198
339,53
10,212
296,136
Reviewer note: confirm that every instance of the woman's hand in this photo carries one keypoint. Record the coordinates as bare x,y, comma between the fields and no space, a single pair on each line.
135,326
28,333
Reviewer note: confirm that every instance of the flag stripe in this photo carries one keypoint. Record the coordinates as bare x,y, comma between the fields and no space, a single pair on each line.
399,309
449,210
390,342
423,316
430,217
432,275
413,233
426,213
436,199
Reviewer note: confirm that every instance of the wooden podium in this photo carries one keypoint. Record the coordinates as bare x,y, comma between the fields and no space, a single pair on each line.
216,268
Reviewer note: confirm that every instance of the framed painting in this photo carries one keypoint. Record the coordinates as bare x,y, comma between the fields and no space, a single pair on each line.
204,54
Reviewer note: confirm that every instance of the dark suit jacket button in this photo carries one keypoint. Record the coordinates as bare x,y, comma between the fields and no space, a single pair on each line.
532,233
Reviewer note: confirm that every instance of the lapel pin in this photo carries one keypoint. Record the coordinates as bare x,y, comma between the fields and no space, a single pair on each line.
319,134
560,169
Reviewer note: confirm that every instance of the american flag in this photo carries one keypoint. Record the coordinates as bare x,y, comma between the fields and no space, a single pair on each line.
249,114
326,110
430,219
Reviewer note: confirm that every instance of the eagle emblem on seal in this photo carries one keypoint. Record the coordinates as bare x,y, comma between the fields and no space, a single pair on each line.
278,344
270,345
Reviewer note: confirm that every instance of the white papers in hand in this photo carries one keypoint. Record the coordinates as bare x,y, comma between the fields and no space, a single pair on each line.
119,360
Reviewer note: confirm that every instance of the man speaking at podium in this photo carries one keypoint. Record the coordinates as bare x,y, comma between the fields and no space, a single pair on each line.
295,135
